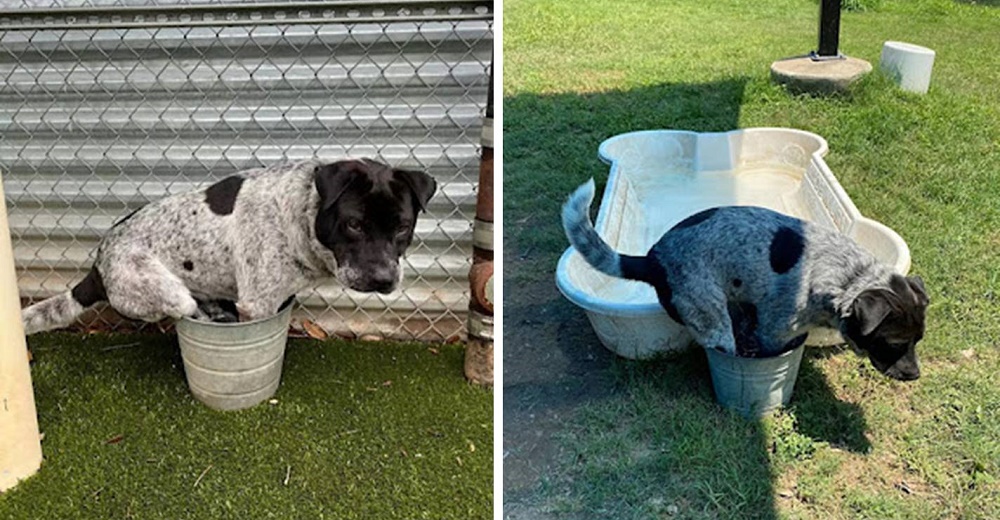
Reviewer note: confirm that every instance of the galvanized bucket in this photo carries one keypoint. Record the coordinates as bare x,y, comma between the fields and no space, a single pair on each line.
753,387
231,366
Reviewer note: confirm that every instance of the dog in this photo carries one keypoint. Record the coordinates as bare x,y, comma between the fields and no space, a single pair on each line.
725,270
254,238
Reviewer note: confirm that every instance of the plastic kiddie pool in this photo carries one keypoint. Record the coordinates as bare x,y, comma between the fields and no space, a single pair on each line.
660,177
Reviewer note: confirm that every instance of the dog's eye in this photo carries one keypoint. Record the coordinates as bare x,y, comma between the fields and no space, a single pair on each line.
899,347
354,225
403,228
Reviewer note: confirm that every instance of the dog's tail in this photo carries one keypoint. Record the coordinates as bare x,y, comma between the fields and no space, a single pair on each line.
593,248
61,310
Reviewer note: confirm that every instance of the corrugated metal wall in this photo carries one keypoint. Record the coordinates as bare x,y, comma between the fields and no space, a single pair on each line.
103,110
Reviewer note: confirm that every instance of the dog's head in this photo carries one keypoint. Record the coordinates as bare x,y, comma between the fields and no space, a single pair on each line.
367,212
886,323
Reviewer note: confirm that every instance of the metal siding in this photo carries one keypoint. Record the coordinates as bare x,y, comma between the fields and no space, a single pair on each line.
97,122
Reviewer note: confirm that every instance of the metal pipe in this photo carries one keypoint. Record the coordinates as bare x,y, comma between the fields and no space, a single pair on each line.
479,348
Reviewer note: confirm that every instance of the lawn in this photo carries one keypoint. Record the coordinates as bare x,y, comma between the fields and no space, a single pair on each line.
357,430
649,441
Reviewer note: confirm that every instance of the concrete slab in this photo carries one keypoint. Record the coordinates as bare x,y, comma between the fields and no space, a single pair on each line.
802,74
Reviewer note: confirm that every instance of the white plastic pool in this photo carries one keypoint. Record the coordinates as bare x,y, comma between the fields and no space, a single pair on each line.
660,177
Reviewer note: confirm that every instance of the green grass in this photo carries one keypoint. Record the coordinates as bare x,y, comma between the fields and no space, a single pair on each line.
368,430
854,445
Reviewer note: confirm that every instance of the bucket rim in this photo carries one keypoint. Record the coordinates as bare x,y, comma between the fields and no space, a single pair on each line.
282,312
752,360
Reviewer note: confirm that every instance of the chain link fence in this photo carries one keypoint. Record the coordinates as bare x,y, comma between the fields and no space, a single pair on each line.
107,105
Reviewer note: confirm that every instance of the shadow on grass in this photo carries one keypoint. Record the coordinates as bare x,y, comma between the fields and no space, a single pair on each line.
822,416
663,447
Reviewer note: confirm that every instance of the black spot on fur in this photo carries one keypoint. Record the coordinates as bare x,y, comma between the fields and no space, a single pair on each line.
634,267
737,283
695,219
90,290
221,196
668,305
657,277
786,249
188,265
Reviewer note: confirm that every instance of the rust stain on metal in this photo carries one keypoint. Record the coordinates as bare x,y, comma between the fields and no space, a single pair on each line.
479,347
479,275
484,198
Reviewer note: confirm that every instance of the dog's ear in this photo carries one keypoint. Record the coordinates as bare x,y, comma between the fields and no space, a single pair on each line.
870,308
422,185
331,182
917,286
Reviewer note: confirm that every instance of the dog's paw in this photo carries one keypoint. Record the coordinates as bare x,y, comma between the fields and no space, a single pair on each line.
218,311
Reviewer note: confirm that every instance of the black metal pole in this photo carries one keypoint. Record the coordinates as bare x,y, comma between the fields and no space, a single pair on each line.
829,29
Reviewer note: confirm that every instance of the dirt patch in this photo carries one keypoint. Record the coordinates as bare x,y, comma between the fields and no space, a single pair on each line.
552,364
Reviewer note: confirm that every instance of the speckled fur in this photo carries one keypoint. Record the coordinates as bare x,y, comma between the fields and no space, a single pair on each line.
744,255
164,258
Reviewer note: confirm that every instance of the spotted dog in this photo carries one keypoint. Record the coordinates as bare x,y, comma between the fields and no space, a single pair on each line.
254,238
760,272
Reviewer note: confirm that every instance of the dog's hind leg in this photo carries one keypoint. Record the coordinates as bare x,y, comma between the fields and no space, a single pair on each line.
141,287
707,318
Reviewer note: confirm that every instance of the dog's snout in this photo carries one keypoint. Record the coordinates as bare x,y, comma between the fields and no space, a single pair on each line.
384,281
901,375
903,371
383,286
379,279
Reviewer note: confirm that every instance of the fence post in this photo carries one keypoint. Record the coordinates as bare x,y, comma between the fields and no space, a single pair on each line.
829,29
479,348
20,446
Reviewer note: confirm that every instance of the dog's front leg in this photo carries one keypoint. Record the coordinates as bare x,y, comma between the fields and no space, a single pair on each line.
262,297
262,292
260,306
265,276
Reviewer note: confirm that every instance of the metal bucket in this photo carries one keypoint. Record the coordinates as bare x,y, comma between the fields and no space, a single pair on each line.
231,366
753,387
